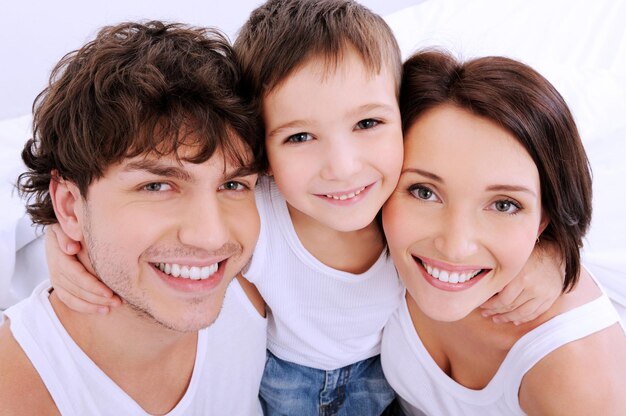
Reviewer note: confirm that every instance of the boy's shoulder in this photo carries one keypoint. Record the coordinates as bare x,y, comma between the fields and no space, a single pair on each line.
21,389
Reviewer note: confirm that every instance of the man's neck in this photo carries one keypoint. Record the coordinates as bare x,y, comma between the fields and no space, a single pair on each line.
136,353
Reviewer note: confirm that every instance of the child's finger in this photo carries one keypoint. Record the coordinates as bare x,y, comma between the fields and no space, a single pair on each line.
62,241
505,301
79,305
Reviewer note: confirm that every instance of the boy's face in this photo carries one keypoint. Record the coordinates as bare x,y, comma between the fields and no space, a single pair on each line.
168,237
466,214
334,141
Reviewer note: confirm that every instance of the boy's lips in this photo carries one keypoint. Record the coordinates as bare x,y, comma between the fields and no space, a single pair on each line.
448,277
347,196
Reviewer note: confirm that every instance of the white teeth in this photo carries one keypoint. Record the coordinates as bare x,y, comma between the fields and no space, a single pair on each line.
345,196
187,272
450,277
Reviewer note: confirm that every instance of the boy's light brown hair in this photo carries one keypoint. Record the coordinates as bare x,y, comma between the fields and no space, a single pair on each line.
281,35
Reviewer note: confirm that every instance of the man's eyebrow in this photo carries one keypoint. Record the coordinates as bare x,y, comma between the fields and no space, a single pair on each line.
238,172
156,168
425,173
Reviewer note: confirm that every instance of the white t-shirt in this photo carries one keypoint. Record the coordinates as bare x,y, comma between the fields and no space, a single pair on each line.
423,388
318,316
226,377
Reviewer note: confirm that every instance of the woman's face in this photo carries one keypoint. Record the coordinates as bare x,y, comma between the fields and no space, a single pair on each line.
466,213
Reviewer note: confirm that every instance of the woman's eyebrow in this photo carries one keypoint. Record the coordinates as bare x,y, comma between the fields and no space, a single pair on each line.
425,173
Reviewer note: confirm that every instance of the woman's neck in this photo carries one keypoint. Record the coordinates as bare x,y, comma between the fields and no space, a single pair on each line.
471,350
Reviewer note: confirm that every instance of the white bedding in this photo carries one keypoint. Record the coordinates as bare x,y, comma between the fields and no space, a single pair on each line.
579,45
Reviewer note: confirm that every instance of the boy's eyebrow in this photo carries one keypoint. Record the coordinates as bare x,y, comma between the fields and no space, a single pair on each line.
157,168
387,108
425,173
372,107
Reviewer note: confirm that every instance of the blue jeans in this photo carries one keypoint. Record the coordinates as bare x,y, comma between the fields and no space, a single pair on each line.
289,389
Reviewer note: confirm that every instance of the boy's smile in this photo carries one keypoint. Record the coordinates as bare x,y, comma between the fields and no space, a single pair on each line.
334,141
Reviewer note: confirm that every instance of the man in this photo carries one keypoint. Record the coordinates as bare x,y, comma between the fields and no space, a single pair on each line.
144,153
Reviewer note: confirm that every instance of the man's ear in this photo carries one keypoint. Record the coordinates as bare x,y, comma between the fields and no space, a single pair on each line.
68,206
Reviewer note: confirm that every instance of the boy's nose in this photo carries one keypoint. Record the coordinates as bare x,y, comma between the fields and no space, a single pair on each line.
342,160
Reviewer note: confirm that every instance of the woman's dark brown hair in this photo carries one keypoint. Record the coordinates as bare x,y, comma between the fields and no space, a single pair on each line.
520,100
137,89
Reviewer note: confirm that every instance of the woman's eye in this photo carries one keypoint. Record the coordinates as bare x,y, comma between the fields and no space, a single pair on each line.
423,193
368,123
157,187
233,186
506,206
299,138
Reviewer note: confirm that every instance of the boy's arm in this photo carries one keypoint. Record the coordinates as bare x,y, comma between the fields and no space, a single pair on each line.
22,392
253,294
532,292
73,284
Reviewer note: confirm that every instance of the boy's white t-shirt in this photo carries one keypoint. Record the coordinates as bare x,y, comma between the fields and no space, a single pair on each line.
229,364
318,316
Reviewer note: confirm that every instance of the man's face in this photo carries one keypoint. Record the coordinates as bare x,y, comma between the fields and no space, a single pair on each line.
169,236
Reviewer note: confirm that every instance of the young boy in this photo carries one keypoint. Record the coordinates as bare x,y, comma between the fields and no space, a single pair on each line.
326,76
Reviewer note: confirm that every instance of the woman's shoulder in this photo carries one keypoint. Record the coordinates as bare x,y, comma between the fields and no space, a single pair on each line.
582,376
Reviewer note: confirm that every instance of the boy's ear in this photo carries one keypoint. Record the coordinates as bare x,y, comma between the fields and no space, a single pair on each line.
68,206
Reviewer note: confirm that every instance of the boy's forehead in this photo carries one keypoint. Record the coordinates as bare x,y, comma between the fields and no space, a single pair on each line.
344,62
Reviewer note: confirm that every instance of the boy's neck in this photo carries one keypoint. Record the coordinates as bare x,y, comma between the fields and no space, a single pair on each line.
135,352
352,251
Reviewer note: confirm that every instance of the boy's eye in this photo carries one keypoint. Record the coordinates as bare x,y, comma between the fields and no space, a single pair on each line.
299,138
233,186
157,187
423,193
506,206
368,123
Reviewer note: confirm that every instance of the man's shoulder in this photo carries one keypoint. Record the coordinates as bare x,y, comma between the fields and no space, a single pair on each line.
21,389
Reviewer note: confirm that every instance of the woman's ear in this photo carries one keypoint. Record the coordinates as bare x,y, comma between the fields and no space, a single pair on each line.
68,206
545,220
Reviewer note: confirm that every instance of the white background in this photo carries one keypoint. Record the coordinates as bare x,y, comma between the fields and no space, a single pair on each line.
35,34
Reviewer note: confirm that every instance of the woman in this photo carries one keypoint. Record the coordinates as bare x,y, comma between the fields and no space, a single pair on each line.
493,166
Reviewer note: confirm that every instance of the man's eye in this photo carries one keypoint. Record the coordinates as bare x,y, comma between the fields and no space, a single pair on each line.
368,123
157,187
233,186
299,138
